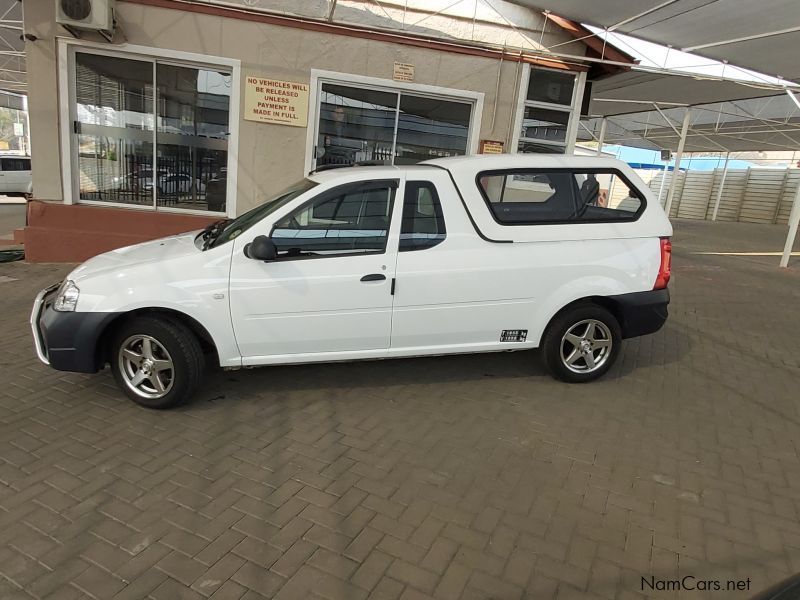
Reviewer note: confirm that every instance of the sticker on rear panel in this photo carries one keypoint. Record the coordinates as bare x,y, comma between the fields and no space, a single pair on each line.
513,335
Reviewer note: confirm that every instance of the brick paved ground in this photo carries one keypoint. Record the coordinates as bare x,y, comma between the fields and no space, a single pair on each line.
459,477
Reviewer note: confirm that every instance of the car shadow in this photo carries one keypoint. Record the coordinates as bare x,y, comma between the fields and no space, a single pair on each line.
665,347
669,345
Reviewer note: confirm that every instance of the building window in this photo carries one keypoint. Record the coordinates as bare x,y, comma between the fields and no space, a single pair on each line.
547,111
357,124
151,133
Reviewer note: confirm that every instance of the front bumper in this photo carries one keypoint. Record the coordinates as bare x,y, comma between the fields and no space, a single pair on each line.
642,313
67,341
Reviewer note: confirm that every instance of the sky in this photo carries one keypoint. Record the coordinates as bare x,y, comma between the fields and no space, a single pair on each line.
652,157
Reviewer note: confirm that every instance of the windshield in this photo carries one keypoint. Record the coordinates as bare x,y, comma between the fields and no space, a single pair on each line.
251,217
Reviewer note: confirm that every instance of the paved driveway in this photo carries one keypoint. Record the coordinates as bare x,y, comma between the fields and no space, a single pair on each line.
457,477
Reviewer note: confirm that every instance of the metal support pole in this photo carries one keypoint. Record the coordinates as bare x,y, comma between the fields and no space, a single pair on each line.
676,170
602,137
663,179
613,178
27,132
721,186
793,97
794,221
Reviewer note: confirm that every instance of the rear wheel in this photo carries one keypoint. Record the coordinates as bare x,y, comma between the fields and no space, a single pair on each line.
156,361
581,344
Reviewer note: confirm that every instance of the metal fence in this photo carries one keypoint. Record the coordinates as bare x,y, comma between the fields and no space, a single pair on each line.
182,180
748,195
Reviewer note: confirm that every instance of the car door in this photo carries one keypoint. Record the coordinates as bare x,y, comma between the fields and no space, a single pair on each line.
328,295
4,163
11,174
455,291
25,176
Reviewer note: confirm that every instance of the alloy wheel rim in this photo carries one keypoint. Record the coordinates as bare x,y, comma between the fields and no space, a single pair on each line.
586,346
146,366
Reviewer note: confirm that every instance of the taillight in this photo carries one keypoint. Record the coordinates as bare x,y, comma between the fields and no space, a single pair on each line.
665,268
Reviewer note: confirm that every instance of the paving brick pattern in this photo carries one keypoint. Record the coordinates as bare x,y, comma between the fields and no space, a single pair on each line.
465,477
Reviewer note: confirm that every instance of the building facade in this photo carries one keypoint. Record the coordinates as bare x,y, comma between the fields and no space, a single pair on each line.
200,111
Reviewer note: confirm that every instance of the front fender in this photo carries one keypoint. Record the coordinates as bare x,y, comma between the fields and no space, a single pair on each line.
197,291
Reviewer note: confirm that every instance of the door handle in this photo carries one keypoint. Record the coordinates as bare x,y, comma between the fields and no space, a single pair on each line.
374,277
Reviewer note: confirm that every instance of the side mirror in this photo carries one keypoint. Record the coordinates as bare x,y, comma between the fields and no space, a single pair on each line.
261,248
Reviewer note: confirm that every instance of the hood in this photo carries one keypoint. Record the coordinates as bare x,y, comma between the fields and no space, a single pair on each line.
159,250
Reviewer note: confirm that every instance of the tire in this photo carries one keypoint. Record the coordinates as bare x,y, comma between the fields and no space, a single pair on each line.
594,342
156,361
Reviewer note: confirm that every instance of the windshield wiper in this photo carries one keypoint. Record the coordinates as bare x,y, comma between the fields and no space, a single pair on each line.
210,233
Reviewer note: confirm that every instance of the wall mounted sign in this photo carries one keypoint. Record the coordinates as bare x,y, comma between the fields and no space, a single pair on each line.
272,101
491,147
403,72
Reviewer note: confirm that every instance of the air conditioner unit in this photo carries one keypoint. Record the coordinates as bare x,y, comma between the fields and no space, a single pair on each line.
95,15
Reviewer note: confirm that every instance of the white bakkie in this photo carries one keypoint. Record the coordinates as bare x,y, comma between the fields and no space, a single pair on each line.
470,254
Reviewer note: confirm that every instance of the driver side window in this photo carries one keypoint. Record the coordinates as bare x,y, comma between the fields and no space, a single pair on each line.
348,221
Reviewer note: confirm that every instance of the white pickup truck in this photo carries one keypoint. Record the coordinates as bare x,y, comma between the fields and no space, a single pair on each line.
472,254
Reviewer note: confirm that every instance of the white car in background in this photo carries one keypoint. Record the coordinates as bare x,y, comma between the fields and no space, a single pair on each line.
174,184
169,183
15,175
456,255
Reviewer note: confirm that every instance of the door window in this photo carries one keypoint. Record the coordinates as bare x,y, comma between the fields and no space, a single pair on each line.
342,221
423,221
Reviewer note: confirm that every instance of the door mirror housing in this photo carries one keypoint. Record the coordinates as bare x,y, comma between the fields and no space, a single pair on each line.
261,248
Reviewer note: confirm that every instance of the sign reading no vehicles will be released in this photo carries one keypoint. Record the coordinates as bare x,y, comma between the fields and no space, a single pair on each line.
273,101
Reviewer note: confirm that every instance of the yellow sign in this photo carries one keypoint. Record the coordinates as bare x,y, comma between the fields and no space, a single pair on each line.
272,101
491,147
403,72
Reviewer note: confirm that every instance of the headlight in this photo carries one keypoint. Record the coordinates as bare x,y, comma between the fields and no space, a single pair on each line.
67,297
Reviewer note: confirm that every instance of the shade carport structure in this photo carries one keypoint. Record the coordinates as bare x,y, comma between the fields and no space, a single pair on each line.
621,115
763,36
652,109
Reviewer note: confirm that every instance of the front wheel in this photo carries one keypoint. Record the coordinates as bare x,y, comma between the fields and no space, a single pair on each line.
581,344
156,361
